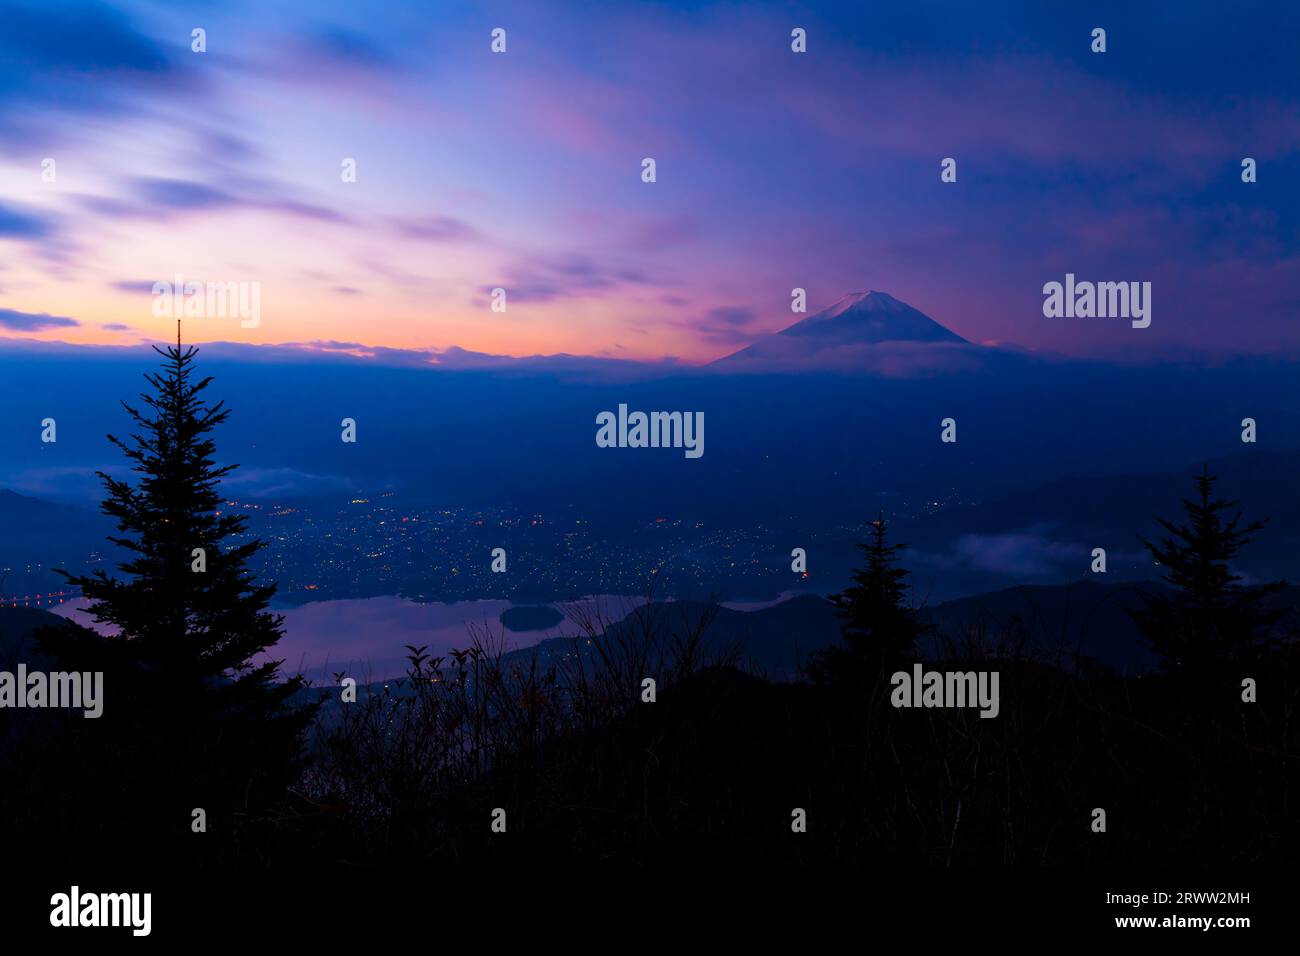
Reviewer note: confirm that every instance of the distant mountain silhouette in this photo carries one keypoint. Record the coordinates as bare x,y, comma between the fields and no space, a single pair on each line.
858,319
36,534
14,506
1056,624
870,427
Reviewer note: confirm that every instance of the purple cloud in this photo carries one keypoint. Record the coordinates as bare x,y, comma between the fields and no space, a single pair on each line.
665,232
135,286
546,277
34,321
179,194
341,47
23,225
436,228
724,325
154,197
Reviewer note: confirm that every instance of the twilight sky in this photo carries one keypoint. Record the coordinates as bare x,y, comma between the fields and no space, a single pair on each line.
522,170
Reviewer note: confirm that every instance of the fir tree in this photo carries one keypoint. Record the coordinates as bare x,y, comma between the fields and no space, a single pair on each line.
1209,619
879,624
188,706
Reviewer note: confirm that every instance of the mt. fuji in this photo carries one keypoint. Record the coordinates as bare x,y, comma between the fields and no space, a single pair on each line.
856,320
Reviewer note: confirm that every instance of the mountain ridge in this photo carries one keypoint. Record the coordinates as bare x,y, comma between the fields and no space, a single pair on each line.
854,321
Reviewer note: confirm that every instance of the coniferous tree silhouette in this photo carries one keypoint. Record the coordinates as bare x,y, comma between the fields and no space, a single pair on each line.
188,712
1210,619
880,626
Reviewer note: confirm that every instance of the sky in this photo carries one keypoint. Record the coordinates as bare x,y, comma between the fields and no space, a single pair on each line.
523,170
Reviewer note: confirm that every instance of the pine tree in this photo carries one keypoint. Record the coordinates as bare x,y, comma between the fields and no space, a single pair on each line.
879,624
1209,619
189,707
